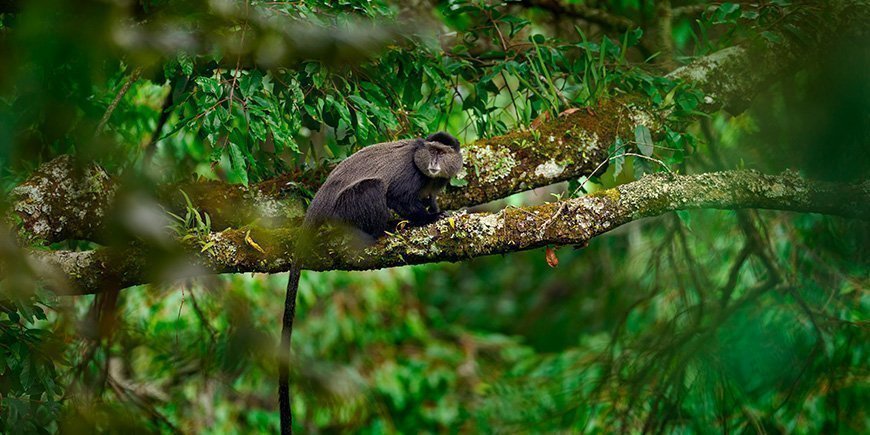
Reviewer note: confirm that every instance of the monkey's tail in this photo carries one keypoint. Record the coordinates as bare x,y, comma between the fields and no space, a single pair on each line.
284,351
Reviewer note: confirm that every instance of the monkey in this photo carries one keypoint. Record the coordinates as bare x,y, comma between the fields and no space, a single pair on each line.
402,176
359,194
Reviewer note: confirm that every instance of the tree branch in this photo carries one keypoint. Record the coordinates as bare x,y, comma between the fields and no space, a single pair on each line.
664,38
730,78
583,12
134,77
561,149
463,236
60,201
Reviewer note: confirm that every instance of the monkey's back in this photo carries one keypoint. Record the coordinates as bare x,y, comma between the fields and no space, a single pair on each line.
356,191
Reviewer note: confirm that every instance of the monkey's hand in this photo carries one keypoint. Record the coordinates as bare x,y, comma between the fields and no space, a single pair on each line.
438,216
429,218
431,204
417,212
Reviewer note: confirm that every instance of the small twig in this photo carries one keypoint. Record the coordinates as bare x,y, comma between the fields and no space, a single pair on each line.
501,37
238,63
134,76
609,158
123,391
190,121
652,159
734,274
178,316
201,315
552,218
165,111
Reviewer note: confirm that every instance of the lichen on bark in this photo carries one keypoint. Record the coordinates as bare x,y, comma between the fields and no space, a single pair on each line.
62,201
466,235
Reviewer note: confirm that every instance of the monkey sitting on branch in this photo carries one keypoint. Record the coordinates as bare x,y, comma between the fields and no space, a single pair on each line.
360,193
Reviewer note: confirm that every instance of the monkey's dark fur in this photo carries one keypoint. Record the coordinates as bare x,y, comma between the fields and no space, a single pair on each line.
403,176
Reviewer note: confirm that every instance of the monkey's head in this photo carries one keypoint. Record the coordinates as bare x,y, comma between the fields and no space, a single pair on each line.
438,156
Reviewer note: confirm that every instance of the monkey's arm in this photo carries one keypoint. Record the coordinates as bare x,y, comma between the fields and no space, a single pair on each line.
433,204
415,210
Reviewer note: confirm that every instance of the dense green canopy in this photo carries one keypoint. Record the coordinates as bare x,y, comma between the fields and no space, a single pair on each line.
678,190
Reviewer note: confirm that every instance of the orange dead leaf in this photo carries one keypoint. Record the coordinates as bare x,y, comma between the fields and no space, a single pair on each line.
552,259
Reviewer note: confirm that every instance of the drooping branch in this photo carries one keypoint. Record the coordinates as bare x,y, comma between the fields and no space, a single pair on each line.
462,236
664,38
732,77
583,12
692,10
134,76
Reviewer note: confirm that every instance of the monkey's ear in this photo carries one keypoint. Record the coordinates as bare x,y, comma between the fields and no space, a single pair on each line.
444,138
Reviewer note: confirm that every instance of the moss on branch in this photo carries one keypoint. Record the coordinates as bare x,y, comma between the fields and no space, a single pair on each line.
463,235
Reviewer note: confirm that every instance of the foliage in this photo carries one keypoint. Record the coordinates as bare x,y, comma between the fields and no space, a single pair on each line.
29,381
194,225
698,322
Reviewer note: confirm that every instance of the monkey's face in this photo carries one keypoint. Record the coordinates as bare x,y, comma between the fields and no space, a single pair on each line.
436,160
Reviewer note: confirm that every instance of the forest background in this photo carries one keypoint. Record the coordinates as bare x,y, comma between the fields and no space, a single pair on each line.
679,190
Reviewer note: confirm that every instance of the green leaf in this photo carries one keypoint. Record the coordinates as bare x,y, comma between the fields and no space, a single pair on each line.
727,13
209,85
516,23
618,158
363,131
237,161
257,128
169,68
343,112
24,376
186,64
250,83
772,37
641,167
644,140
633,36
728,8
311,110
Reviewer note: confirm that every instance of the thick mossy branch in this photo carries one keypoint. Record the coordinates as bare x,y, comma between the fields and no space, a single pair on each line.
58,203
462,236
62,202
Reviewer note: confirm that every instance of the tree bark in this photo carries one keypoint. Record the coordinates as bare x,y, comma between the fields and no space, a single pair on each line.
62,201
564,148
463,235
